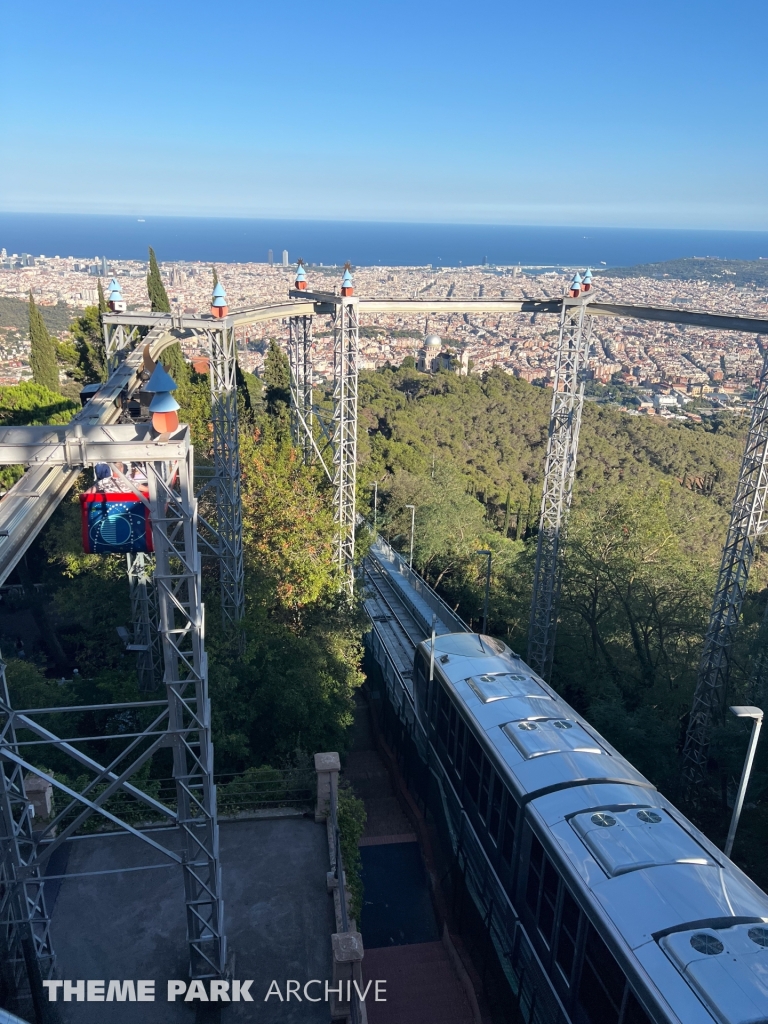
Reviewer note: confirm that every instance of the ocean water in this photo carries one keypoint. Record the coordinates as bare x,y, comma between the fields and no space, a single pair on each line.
229,240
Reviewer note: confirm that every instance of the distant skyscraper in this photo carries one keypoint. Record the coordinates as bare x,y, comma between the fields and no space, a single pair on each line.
103,266
270,258
285,257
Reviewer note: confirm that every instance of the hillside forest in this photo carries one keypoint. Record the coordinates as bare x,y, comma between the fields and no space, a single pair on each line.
650,511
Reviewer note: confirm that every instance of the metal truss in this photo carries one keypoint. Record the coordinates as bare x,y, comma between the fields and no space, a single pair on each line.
222,349
119,339
300,358
748,522
146,640
346,346
181,721
26,954
559,473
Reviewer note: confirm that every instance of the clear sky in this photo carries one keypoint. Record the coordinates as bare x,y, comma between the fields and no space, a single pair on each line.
645,114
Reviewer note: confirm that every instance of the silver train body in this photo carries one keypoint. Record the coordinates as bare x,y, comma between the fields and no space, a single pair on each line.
634,914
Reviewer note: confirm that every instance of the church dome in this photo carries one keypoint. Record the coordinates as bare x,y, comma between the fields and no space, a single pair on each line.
432,341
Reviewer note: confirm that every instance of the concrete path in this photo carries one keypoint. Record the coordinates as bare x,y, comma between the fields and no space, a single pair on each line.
131,925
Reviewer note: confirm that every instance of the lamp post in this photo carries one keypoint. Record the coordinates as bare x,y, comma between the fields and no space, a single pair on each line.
757,720
413,519
487,588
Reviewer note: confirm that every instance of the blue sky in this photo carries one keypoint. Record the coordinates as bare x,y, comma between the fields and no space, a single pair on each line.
611,113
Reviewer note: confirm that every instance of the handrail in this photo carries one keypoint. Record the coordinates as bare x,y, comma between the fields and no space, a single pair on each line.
338,873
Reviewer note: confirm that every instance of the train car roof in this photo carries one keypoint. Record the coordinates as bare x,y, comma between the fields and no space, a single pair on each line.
694,922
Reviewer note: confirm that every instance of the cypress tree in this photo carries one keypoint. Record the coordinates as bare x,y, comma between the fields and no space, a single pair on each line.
158,296
277,380
103,307
215,277
42,356
174,362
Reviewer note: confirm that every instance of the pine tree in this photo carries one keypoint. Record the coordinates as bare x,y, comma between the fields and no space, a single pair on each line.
103,307
158,296
42,356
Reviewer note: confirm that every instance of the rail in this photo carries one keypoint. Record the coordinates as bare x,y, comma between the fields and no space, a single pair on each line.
383,552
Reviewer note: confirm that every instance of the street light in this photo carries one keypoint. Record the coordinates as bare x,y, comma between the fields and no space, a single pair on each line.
413,517
487,588
757,720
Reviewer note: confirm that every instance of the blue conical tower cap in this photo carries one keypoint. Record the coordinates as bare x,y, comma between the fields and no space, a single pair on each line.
163,402
160,381
300,275
113,284
346,281
219,301
218,291
114,290
576,282
587,276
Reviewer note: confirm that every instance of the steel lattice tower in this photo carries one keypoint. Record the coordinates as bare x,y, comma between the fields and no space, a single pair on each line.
26,955
300,357
146,640
181,721
226,461
559,472
748,521
346,343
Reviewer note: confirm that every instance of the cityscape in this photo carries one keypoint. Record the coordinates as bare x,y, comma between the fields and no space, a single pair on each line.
660,369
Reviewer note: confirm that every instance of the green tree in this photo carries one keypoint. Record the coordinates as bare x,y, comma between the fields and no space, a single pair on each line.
87,343
103,307
215,277
42,350
277,380
158,296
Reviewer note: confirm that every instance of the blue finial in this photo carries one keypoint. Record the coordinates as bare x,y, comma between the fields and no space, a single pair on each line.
160,381
576,282
218,291
300,275
346,281
163,402
587,276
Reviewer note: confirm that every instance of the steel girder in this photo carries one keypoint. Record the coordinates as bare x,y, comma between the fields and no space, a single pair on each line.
26,954
119,339
300,358
226,462
146,639
346,345
748,521
559,473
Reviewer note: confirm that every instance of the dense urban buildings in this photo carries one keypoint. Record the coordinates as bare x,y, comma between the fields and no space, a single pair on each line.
658,368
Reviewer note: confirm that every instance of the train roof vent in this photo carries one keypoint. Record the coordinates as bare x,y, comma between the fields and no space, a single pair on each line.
536,737
622,841
500,685
727,968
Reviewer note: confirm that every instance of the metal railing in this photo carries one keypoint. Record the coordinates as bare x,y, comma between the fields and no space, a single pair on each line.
356,1013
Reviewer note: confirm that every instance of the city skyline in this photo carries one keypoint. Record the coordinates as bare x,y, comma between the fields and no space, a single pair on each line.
428,113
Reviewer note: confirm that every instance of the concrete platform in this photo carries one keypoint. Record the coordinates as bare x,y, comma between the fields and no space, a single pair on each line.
279,920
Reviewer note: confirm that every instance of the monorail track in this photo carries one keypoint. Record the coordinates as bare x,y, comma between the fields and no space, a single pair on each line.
391,616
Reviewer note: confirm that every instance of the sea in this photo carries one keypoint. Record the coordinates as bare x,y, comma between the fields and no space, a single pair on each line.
232,240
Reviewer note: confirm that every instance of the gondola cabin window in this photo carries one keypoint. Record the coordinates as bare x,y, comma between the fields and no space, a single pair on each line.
115,523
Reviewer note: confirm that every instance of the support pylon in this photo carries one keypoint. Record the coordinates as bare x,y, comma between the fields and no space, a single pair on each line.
346,345
146,639
226,462
748,521
559,473
26,954
300,357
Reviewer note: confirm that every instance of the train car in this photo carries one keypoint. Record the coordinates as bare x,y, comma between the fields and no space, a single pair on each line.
635,916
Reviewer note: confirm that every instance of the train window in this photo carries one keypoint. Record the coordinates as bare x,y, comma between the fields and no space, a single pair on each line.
494,820
442,717
633,1011
510,821
566,939
472,771
535,865
486,776
548,903
461,739
601,986
451,744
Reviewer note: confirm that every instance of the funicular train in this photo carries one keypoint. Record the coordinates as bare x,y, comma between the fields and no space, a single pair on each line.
634,915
